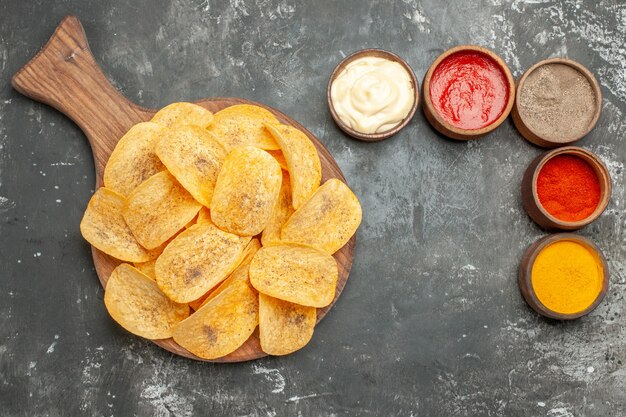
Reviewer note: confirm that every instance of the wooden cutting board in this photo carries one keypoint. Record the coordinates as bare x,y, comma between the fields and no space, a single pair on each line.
65,75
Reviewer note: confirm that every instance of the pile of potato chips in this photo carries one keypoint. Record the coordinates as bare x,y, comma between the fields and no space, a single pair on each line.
223,226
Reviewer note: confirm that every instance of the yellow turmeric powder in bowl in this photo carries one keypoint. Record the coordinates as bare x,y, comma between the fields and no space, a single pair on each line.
567,276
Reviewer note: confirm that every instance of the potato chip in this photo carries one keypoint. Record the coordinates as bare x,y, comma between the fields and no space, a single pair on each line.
182,114
194,157
248,253
192,221
133,160
147,268
240,273
302,159
280,158
204,216
222,325
284,327
158,208
242,125
327,220
282,210
246,191
135,302
251,249
104,227
296,273
197,260
156,252
192,196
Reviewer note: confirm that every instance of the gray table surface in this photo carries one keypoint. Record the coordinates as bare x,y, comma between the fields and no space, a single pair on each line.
431,322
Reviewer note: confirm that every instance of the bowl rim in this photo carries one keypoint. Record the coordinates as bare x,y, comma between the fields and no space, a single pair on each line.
382,53
534,137
525,275
467,134
601,171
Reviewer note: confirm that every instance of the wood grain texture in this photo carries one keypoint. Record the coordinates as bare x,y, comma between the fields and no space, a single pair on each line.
65,75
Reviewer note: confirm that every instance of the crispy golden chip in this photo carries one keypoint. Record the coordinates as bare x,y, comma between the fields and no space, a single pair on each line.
327,220
246,191
158,208
251,249
192,221
135,302
280,158
104,227
240,273
181,114
196,304
194,157
133,160
246,256
204,216
296,273
282,211
284,327
197,260
156,252
147,268
302,159
222,325
242,125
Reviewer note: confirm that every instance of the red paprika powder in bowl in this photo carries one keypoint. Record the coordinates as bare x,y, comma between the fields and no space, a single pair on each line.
566,188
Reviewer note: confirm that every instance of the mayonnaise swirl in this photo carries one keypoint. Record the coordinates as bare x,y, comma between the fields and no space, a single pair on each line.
372,95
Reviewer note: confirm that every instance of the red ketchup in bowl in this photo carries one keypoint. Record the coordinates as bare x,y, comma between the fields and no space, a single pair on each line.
469,90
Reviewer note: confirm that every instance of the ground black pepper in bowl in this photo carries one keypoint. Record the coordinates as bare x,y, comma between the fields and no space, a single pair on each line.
558,102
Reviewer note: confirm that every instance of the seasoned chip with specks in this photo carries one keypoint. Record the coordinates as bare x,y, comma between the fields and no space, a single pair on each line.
133,160
327,220
147,268
284,327
104,227
296,273
194,157
183,114
204,216
246,191
303,162
242,125
192,221
156,252
135,302
280,158
197,260
222,325
240,273
282,211
158,208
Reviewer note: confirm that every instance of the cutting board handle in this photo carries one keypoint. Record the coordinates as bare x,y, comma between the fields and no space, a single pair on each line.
65,75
